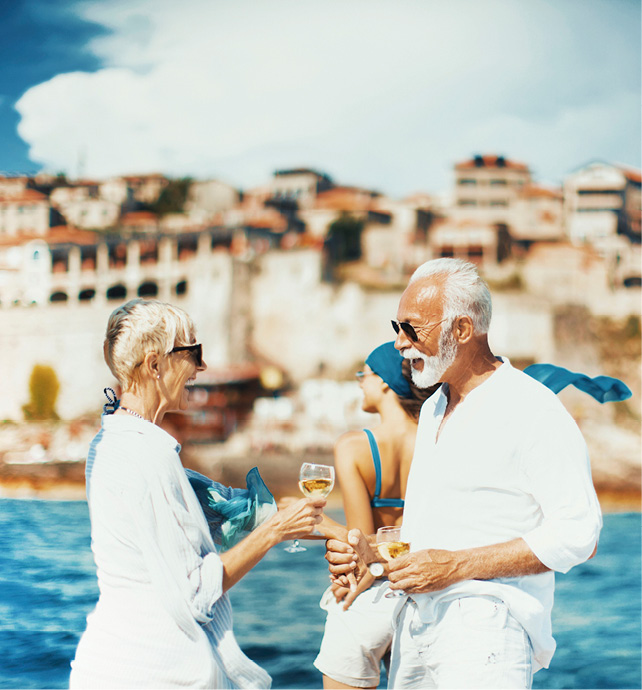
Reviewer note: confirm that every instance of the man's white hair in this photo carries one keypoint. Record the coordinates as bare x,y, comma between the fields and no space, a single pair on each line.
465,292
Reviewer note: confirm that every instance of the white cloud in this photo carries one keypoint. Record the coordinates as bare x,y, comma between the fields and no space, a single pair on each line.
385,93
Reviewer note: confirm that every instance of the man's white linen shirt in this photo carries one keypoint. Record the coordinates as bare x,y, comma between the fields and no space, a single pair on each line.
509,462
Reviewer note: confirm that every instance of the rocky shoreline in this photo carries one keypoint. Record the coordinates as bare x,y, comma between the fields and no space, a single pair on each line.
65,481
46,460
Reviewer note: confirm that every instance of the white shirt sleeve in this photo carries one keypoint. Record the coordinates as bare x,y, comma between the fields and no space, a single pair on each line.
556,464
187,576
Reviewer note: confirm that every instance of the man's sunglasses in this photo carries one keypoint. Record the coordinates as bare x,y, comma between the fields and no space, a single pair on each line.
406,328
410,331
196,351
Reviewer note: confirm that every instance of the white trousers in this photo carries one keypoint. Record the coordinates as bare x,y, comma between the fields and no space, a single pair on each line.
473,643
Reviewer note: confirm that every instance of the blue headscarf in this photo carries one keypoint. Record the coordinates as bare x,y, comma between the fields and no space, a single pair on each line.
386,361
602,388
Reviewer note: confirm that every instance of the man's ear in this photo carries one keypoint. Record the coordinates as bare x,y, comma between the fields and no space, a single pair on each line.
463,329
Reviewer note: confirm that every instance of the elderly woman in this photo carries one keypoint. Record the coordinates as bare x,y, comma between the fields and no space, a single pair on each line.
163,618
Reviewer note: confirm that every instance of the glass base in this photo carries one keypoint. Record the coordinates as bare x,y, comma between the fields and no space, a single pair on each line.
294,548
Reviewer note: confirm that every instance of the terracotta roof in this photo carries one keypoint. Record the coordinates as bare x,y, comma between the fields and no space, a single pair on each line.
139,218
533,190
265,218
232,373
19,181
65,234
84,183
143,178
22,196
19,240
344,199
631,174
490,161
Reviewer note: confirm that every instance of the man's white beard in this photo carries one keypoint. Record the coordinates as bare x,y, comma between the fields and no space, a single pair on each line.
434,367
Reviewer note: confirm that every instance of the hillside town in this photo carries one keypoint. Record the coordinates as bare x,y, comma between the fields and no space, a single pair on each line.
291,283
92,241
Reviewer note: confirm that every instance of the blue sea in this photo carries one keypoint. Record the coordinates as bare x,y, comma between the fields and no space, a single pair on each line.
48,586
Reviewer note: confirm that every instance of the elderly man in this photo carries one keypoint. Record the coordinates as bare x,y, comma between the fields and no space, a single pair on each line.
499,496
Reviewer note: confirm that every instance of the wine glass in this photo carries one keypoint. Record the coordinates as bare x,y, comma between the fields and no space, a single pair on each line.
390,546
315,481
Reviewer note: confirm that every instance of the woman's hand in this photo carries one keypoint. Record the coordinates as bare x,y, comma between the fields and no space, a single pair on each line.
343,592
296,520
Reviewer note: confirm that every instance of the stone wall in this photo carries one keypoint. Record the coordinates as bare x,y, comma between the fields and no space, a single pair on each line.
274,306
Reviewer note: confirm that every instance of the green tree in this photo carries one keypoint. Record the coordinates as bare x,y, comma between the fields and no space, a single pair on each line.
172,198
43,392
342,243
345,234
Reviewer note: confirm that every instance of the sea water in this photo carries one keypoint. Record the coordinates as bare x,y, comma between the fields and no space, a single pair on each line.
48,586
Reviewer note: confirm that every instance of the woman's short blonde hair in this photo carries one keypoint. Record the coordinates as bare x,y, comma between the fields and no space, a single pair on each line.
141,326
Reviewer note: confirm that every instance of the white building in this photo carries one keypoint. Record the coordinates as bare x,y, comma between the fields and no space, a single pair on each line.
25,271
486,188
23,211
538,215
595,202
299,185
90,214
206,198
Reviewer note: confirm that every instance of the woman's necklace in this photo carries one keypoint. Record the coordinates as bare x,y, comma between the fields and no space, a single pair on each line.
135,414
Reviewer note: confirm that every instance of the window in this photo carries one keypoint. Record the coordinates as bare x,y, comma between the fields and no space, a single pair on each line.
148,289
475,253
86,295
584,192
499,202
498,182
466,181
466,202
117,292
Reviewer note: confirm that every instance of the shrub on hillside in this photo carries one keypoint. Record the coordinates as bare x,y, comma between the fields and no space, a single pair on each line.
43,392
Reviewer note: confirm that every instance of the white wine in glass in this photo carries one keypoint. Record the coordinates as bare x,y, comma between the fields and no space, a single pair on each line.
390,546
315,481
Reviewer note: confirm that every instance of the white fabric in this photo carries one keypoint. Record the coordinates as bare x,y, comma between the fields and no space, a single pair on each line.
356,640
510,462
473,643
162,619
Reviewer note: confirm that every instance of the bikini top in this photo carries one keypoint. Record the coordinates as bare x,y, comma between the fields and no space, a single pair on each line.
377,502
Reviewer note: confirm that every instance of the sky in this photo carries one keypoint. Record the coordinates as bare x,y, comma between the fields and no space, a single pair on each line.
385,94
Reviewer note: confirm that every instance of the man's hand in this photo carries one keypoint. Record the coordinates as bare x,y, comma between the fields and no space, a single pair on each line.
435,569
350,559
425,571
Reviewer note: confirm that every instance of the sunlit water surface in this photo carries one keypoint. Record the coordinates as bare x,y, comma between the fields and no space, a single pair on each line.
48,586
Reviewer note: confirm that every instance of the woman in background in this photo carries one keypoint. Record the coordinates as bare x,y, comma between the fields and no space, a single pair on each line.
163,618
372,469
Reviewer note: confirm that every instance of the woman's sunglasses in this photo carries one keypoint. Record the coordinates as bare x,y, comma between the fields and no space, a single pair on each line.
196,351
